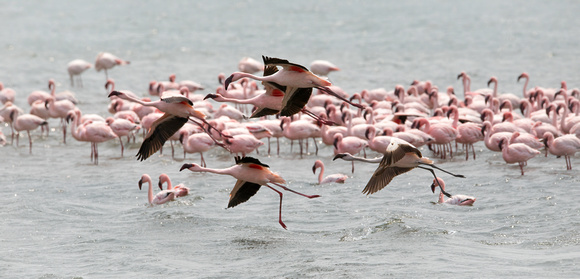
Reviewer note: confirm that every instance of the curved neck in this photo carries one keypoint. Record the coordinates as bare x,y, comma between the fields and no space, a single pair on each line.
150,193
321,174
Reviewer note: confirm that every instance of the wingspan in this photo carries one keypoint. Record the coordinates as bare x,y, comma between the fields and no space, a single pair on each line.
242,192
161,130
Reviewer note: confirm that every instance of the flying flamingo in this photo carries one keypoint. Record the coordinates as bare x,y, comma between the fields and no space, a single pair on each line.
400,157
516,153
25,122
179,189
177,108
566,145
296,78
161,197
76,68
455,199
333,178
106,61
251,175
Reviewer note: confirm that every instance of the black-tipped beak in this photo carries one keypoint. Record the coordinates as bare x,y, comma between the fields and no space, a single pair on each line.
433,186
314,169
213,96
114,93
185,166
140,183
338,156
489,82
228,81
160,186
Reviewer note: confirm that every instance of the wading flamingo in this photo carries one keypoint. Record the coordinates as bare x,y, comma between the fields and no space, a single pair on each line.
333,178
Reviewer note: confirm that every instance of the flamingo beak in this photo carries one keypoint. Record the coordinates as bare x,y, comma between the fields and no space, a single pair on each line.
140,183
213,96
228,81
433,186
185,166
338,156
314,169
114,93
160,184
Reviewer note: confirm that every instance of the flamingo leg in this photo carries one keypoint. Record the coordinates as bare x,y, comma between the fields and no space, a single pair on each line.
280,210
122,147
440,187
290,190
29,142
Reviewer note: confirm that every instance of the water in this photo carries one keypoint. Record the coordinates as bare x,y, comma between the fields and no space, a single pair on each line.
64,217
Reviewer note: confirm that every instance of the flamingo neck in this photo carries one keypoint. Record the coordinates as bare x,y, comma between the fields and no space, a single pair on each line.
150,193
321,174
441,198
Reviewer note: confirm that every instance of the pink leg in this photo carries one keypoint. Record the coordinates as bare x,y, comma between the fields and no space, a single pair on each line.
290,190
280,210
29,142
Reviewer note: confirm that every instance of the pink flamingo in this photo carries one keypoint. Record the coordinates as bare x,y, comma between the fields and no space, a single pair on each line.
298,130
516,153
25,122
106,61
59,109
455,199
161,197
76,68
6,94
95,133
442,133
510,97
490,139
196,143
296,78
251,175
179,189
352,145
527,139
333,178
377,143
177,108
250,65
322,67
242,143
468,133
566,145
122,128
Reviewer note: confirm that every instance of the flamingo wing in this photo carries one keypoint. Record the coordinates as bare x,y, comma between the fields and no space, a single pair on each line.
161,130
382,177
294,100
283,63
242,192
174,97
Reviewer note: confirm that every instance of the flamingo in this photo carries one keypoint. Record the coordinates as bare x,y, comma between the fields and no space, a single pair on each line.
243,143
95,133
25,122
296,78
122,128
468,133
161,197
251,175
333,178
76,68
352,145
250,65
6,94
196,143
177,108
455,199
566,145
59,109
516,153
298,130
179,189
322,67
400,157
106,61
442,133
377,143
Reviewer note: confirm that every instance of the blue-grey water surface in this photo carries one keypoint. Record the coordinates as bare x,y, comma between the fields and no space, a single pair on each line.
64,217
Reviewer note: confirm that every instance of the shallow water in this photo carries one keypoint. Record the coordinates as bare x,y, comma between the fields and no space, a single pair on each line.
65,217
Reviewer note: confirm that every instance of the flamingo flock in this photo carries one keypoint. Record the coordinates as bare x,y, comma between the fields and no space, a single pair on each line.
292,103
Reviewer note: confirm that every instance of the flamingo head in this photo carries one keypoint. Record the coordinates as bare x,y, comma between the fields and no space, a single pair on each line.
230,79
212,96
437,182
523,75
115,93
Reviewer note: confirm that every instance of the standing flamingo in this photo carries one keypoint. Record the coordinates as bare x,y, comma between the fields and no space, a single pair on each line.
122,128
76,68
352,145
455,199
196,143
250,65
333,178
251,175
566,145
25,122
97,132
179,189
322,67
516,153
177,108
59,109
161,197
106,61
